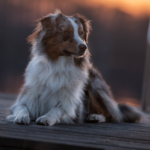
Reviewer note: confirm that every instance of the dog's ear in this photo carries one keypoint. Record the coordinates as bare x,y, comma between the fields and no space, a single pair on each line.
47,24
50,20
86,26
32,38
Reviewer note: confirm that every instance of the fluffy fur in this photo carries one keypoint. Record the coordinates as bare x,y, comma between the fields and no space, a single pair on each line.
61,85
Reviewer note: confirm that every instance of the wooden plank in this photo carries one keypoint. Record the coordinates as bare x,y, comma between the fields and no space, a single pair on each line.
38,130
8,96
7,100
78,129
106,136
73,138
46,146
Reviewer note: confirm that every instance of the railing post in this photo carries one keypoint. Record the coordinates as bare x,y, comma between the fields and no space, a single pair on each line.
146,81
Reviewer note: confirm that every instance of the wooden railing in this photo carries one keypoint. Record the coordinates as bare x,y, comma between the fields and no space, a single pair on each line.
146,82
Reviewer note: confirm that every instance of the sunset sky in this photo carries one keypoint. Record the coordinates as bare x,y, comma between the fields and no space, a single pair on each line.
134,7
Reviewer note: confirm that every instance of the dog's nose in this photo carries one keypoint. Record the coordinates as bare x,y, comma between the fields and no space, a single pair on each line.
82,47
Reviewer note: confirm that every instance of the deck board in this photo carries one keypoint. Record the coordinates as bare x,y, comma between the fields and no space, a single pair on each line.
105,136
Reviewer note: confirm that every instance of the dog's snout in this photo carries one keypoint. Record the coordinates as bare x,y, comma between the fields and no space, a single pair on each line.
82,47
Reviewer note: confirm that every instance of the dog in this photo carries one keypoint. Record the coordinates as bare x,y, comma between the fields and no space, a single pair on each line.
61,85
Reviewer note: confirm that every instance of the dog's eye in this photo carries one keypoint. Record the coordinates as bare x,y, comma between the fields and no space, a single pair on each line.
81,32
66,33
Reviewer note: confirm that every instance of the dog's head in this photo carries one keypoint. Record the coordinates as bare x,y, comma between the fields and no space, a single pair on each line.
61,35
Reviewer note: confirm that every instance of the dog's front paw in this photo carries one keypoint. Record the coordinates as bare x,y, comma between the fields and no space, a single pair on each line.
46,120
96,117
22,119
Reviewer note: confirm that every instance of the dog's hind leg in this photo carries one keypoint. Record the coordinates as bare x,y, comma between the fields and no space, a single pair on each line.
101,101
96,117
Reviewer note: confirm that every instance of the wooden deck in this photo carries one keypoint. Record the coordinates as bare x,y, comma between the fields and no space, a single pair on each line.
104,136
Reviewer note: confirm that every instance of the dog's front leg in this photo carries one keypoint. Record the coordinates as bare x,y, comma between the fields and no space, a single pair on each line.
20,114
52,117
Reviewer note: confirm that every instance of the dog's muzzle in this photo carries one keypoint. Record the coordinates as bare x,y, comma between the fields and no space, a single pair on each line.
82,49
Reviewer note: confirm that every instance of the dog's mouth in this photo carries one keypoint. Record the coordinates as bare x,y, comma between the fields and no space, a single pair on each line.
67,53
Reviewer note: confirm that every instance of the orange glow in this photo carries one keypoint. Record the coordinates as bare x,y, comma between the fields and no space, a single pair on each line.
133,7
31,10
129,101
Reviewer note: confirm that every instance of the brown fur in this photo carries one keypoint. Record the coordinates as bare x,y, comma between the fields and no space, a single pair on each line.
86,25
46,23
97,105
53,40
32,38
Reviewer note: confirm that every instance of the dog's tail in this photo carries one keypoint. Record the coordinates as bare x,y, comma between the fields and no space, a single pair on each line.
122,112
102,101
131,114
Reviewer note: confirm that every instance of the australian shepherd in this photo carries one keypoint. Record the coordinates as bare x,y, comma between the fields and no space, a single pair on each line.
61,85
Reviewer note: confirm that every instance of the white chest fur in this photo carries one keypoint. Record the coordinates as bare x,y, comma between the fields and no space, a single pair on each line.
54,84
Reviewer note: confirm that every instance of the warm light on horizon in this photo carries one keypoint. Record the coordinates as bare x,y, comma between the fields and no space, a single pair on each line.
134,7
129,101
